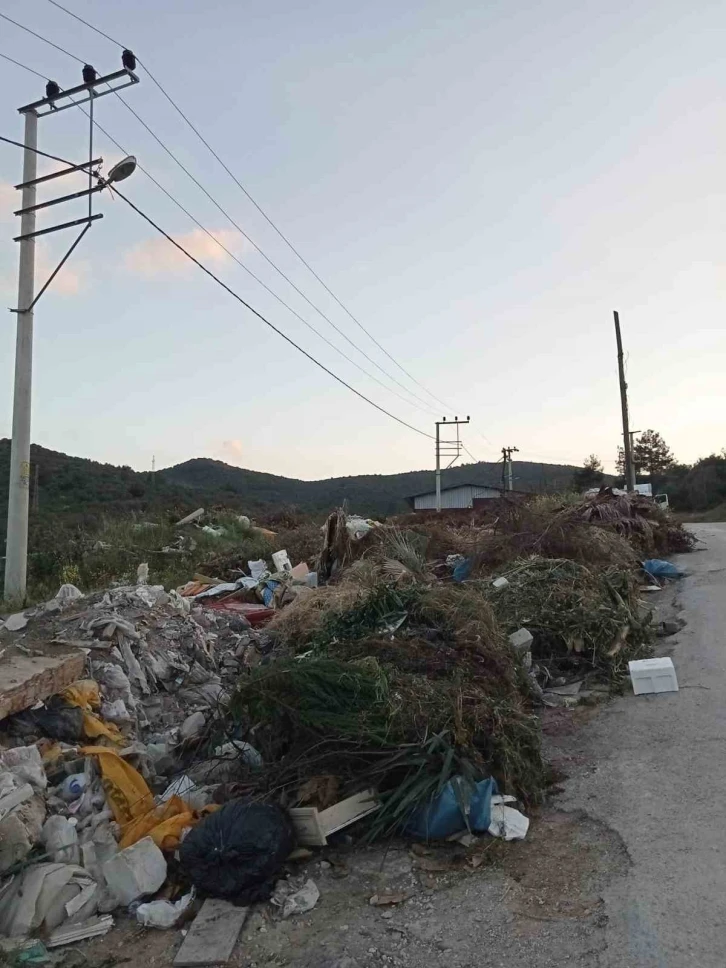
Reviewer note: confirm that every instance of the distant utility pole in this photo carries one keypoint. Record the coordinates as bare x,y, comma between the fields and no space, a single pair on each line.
55,101
627,439
507,479
446,448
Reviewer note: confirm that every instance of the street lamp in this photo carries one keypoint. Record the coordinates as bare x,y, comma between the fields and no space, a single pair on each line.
121,171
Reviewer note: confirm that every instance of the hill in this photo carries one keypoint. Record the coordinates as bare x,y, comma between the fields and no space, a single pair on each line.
76,486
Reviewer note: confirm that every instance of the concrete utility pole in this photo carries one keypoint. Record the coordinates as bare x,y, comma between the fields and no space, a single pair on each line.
507,478
449,448
16,562
627,439
56,100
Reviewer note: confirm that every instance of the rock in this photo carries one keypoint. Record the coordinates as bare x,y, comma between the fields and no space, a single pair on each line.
16,622
135,871
521,640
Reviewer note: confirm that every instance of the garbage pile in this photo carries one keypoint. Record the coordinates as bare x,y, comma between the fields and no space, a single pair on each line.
160,746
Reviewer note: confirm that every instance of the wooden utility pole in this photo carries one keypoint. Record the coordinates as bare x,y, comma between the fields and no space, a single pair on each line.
627,440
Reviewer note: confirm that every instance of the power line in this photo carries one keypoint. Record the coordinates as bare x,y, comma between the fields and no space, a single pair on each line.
259,208
239,261
264,319
226,213
239,298
24,66
40,37
264,255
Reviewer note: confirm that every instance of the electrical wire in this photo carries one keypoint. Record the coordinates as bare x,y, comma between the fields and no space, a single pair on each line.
239,261
227,215
40,37
24,66
264,255
264,319
244,302
259,208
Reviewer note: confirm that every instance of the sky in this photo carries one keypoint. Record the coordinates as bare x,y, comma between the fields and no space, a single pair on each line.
481,185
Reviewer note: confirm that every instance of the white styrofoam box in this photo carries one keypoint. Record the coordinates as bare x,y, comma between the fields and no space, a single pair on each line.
653,675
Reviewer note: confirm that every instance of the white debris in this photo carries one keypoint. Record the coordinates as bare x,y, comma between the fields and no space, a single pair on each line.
506,822
135,871
301,901
163,914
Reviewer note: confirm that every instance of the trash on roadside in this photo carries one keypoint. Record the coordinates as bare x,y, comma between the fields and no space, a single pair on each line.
313,826
501,582
459,805
164,914
653,675
506,822
135,872
281,561
657,568
190,518
298,901
237,851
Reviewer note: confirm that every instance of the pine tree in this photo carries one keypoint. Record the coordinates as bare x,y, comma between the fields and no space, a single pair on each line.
651,454
591,474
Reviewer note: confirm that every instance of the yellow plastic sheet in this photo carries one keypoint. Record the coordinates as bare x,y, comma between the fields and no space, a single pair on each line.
85,694
126,791
132,804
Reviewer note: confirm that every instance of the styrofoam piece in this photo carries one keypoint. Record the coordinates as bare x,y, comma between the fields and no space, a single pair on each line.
135,871
500,582
653,675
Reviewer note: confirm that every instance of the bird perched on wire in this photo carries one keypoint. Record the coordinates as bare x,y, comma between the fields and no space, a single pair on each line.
128,59
89,74
52,91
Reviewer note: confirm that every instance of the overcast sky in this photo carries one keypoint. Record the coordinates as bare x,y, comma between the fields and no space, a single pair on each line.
480,184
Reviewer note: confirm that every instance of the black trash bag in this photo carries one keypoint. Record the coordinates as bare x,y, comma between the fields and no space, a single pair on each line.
57,719
237,852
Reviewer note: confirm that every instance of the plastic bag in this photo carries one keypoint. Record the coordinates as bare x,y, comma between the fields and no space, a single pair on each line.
444,816
238,851
163,914
26,763
662,569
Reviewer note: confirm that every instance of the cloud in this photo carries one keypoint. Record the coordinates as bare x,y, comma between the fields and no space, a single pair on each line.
158,257
231,449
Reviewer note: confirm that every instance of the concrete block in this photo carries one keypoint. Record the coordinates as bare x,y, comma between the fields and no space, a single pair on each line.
653,675
521,640
26,679
135,871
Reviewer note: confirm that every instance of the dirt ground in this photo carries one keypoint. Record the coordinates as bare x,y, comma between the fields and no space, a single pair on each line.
537,902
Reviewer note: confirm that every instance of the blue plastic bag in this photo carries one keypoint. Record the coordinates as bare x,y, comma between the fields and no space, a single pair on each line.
443,816
462,571
662,569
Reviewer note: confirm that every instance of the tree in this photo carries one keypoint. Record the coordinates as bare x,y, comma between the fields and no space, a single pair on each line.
651,454
591,474
620,462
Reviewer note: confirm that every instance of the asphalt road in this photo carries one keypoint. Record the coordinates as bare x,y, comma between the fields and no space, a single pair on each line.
660,784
